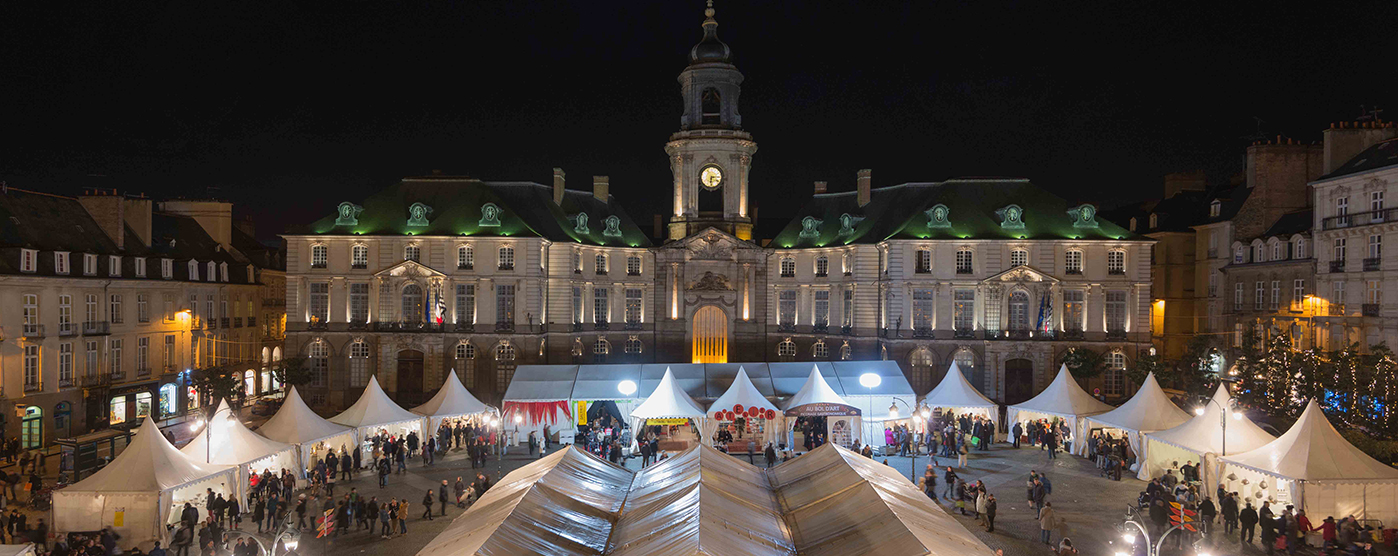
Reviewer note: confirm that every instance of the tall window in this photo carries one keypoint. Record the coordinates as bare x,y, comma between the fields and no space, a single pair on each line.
599,306
412,304
1072,261
320,303
1298,294
1338,294
846,352
633,306
143,353
1258,254
359,303
1215,208
847,309
924,261
1072,310
633,345
465,257
1342,208
60,263
28,260
504,304
1277,251
114,302
412,253
115,354
90,264
786,306
964,310
1373,292
1116,311
601,263
1238,296
1238,255
921,376
507,258
1116,262
359,256
320,256
600,349
1339,254
320,364
359,363
820,351
465,303
923,301
1019,311
786,350
963,261
31,313
504,365
91,309
633,265
577,262
65,364
577,305
167,269
1276,295
31,367
143,308
788,267
1258,291
1376,201
1114,382
822,266
1375,246
966,361
466,363
169,351
1213,284
1298,248
1019,257
65,314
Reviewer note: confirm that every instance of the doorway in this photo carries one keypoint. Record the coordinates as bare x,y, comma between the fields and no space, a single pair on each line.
409,388
710,333
1019,381
31,434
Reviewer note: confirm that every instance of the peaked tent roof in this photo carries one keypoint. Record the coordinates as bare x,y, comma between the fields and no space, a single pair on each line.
237,445
1149,410
1064,397
1203,434
1313,451
373,407
149,464
955,391
452,399
815,390
742,392
668,401
295,423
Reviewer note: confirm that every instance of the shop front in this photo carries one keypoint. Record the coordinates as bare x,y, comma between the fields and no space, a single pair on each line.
128,405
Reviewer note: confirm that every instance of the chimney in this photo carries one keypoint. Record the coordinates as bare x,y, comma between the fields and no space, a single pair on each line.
247,226
659,226
215,217
600,188
819,187
866,177
1349,140
558,186
1184,181
105,207
138,217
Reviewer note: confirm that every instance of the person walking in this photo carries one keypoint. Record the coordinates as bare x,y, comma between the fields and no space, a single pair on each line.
234,513
460,489
1228,504
990,507
383,472
950,478
770,454
442,496
403,515
1046,523
301,512
1248,516
427,505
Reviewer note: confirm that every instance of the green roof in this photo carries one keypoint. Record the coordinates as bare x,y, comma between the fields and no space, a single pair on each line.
973,205
457,209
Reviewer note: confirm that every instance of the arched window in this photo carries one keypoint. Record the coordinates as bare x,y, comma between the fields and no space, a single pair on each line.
359,256
466,363
633,345
1258,255
320,363
822,266
601,263
1019,311
1019,257
921,370
1154,221
846,352
1277,250
249,383
359,363
169,398
600,349
1298,248
1072,261
966,361
786,350
507,258
819,351
711,106
320,256
788,267
1133,223
412,253
465,257
504,365
1116,262
412,304
1114,377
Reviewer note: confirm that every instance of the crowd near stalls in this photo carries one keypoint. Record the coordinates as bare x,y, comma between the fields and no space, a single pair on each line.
314,437
1063,405
228,442
956,396
141,491
742,419
818,415
1201,440
1148,411
374,414
452,402
540,396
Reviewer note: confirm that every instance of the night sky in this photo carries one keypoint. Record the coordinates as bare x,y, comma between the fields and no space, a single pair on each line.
288,108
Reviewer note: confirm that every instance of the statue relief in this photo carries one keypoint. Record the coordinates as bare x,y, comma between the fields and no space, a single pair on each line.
710,248
711,282
348,214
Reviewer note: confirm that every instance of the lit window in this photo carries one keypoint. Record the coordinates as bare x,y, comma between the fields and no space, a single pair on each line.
465,257
787,308
788,267
1116,262
28,260
633,265
786,350
1019,257
599,305
633,306
359,256
923,262
507,258
359,363
1072,261
633,345
963,261
822,266
320,256
320,364
1115,375
921,373
412,253
822,310
1215,208
601,264
819,351
600,349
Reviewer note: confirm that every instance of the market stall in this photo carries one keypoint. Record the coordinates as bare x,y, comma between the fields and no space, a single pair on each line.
140,491
452,401
295,423
374,414
1063,399
1148,411
540,395
1316,469
233,444
746,415
619,385
956,395
816,410
1201,440
671,409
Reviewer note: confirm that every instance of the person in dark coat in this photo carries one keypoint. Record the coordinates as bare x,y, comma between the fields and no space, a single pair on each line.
190,516
234,513
770,454
1248,517
1229,508
990,513
442,496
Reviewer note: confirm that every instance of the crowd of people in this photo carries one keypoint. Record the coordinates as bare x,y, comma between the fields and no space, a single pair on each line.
1112,454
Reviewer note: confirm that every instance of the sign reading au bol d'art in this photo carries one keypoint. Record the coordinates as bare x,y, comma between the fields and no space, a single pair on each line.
821,410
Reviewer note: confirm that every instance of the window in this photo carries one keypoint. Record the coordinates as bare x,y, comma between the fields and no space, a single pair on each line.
1154,221
1238,255
1073,310
1114,377
320,303
507,258
92,368
169,351
1116,262
786,307
1132,224
1298,294
1373,292
822,266
89,264
786,350
28,260
209,306
966,361
1116,311
140,267
1276,295
924,261
1019,257
963,261
577,305
193,270
504,365
320,256
1019,311
65,364
601,264
577,262
923,301
320,364
212,275
822,310
359,256
846,352
1376,202
964,310
1238,296
1339,251
466,363
1375,246
65,315
91,311
359,363
848,309
359,303
1258,254
600,349
412,304
1215,208
1072,261
1342,208
788,267
634,345
465,257
115,355
819,351
115,307
60,263
847,264
1298,248
505,304
633,265
599,306
466,304
143,308
1213,285
1277,254
143,353
1257,293
31,313
31,367
921,376
167,269
633,306
194,306
1338,297
412,253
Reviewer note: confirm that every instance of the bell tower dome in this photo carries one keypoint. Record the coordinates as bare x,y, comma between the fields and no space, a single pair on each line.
711,154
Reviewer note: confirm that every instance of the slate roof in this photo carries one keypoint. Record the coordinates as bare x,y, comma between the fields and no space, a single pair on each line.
527,210
900,212
1178,213
1380,155
1291,223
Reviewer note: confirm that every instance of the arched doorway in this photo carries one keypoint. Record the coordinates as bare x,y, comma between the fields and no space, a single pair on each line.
31,433
1019,381
710,333
409,388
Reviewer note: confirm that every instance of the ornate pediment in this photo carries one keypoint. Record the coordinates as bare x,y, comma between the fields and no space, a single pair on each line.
348,214
1021,274
711,282
409,269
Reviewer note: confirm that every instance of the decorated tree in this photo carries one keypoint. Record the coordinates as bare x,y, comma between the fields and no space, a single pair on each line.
292,372
1083,363
216,383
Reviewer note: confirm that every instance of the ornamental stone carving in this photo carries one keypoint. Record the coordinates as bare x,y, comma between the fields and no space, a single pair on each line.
490,216
1084,216
580,224
1011,217
711,282
939,216
710,248
417,215
612,226
348,214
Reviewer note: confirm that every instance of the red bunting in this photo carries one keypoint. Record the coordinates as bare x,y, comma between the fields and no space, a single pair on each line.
737,408
771,414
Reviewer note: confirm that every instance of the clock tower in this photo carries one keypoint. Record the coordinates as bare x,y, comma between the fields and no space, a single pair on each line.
710,155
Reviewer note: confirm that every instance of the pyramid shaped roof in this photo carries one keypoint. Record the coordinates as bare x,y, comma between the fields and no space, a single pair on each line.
373,408
1313,451
295,423
1149,410
1203,434
452,399
955,391
233,443
742,392
668,401
1064,397
815,390
149,464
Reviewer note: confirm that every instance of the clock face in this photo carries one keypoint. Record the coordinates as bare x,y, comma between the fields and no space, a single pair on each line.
711,177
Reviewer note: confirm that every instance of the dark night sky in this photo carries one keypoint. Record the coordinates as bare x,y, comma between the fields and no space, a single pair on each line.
288,108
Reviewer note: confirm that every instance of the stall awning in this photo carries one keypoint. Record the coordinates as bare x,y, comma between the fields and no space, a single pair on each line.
452,399
1149,410
1203,434
816,398
1064,397
149,464
1311,450
955,391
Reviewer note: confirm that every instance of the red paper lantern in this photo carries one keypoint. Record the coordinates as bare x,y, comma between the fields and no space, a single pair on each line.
737,408
771,414
718,415
754,411
728,415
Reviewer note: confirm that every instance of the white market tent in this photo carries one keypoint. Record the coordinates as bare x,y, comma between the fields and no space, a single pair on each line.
563,504
817,391
1200,439
233,444
841,503
1064,399
1148,411
740,393
668,401
451,400
956,393
295,423
142,489
374,411
1315,468
25,549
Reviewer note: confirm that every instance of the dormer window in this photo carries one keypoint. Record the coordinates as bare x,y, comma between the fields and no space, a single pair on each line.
193,270
1277,254
60,263
1238,254
167,269
1019,257
1258,254
252,275
210,275
223,271
28,260
1215,209
114,266
1154,221
1133,223
89,264
140,267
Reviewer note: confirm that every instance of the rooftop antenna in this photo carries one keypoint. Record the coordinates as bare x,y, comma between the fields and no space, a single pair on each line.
1369,114
1259,135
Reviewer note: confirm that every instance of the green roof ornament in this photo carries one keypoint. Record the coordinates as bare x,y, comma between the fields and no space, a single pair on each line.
1011,217
613,226
417,215
1084,216
348,214
939,216
847,224
810,227
490,216
580,224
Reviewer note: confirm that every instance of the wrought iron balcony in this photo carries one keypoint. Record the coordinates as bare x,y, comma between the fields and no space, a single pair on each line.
1074,271
601,326
506,267
846,330
1337,309
1072,334
1337,265
359,266
237,322
143,371
504,327
118,376
422,326
252,322
93,380
820,327
1020,334
212,324
67,329
1116,335
223,322
1372,264
577,327
358,325
1369,309
633,325
1116,271
786,327
465,327
96,328
1359,219
924,332
65,382
1045,335
467,266
32,331
33,387
963,270
314,324
963,333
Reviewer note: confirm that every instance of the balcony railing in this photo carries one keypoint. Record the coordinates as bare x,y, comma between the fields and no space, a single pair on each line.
577,327
237,322
602,326
820,327
358,325
1022,334
1116,271
252,322
505,326
1337,310
1073,272
1369,309
465,327
963,333
223,322
211,323
633,325
846,330
1116,335
1359,219
506,267
1372,264
92,380
32,331
460,266
67,329
143,371
96,328
119,376
963,270
786,327
65,382
1072,334
316,324
924,332
407,327
33,387
1337,265
357,266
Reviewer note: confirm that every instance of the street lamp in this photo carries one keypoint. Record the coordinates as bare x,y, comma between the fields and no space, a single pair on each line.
626,387
870,381
1224,412
208,429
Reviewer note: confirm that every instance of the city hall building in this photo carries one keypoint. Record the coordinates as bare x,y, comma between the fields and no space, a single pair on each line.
439,272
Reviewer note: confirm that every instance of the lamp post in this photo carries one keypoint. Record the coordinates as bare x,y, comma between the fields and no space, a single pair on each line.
870,381
913,414
1224,412
208,441
1134,521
